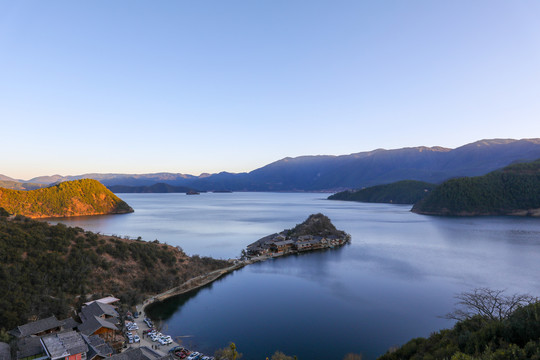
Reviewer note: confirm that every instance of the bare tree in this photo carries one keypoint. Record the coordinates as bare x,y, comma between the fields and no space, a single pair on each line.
488,303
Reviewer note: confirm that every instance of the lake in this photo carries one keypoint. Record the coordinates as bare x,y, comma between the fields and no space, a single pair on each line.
391,284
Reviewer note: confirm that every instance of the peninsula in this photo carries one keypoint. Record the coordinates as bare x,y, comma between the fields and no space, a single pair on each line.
401,192
317,232
513,190
70,198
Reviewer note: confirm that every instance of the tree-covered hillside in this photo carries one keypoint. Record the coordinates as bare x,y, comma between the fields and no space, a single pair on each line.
401,192
44,268
70,198
485,335
513,190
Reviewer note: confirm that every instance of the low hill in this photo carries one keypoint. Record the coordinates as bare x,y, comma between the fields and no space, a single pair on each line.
71,198
316,225
513,190
401,192
156,188
49,269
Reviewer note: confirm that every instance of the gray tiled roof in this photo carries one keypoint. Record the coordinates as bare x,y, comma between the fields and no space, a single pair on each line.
97,346
98,309
29,346
37,326
69,324
5,352
142,353
64,344
94,323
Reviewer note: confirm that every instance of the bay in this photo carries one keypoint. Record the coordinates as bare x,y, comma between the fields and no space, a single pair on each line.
389,285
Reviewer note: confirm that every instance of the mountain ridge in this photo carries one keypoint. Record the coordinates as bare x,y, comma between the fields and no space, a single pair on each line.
331,173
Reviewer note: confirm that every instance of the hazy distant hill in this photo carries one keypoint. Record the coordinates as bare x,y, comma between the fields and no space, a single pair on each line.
156,188
355,171
401,192
514,190
72,198
17,185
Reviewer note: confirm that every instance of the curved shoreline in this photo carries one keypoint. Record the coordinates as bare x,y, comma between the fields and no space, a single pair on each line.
199,281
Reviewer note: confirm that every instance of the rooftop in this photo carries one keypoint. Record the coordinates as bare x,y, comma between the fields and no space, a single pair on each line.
105,300
97,309
36,327
94,323
65,344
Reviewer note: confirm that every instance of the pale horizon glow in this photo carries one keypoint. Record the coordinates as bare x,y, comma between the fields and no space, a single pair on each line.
203,87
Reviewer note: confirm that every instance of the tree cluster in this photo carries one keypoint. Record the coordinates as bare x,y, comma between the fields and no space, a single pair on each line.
492,326
401,192
513,188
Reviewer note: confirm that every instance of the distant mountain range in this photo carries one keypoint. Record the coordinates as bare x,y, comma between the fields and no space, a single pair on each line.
156,188
335,173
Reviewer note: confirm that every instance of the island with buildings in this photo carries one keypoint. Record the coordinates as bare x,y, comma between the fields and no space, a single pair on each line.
316,233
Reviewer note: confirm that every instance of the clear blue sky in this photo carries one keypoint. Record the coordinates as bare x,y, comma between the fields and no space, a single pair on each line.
229,85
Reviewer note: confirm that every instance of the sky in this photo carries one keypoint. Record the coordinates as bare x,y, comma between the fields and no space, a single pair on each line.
130,86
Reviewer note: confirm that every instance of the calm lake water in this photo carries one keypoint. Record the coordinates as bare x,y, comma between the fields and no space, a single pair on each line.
389,285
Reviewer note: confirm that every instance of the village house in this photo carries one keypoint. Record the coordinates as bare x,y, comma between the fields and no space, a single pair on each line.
101,310
282,246
95,325
37,328
97,348
67,346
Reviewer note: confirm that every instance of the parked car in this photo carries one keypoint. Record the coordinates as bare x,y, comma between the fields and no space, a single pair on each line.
194,356
135,314
136,338
165,340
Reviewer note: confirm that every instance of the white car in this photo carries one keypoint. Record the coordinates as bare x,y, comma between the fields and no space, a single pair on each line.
193,356
165,341
136,338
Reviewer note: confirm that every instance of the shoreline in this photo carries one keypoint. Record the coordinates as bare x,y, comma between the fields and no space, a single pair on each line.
208,278
200,281
196,283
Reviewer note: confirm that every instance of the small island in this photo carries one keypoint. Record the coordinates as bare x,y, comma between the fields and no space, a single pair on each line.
316,233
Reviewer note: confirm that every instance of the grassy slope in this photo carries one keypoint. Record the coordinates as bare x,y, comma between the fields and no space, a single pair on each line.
44,268
401,192
513,190
70,198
